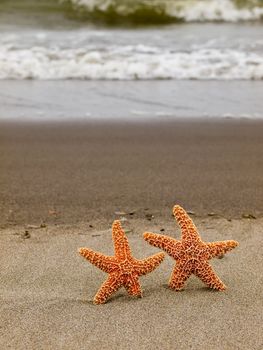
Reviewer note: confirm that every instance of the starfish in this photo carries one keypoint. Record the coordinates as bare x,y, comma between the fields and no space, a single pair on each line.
191,253
123,269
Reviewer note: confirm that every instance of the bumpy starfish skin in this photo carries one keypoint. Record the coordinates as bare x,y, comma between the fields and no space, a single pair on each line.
191,253
123,269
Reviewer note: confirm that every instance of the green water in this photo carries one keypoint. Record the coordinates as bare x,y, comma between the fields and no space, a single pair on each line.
56,11
117,12
50,14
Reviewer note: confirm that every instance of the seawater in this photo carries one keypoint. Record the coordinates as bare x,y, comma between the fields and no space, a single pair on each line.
161,11
131,40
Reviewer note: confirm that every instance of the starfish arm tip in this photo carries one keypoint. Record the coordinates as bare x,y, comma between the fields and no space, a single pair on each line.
178,211
150,237
110,286
121,244
117,228
232,243
147,265
82,251
175,288
216,249
96,301
116,224
146,235
160,257
177,207
170,245
220,288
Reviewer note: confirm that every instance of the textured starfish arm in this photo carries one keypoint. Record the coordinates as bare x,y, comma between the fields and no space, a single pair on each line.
147,265
121,244
132,285
206,274
111,285
179,275
189,231
219,248
170,245
103,262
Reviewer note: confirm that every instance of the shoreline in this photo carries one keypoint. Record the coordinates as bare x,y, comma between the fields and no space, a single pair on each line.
129,101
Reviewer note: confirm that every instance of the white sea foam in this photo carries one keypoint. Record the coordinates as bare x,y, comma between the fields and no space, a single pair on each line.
217,10
188,10
129,63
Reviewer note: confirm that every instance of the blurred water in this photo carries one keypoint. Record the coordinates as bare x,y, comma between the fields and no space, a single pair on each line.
48,40
128,12
133,100
218,41
185,51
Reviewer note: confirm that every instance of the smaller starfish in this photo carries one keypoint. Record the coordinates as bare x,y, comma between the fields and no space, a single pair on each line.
191,254
124,270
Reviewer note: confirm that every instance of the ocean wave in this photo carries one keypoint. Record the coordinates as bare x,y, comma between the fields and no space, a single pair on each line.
129,63
165,11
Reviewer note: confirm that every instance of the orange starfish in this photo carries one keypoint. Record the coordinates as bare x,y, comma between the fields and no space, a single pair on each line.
123,268
191,253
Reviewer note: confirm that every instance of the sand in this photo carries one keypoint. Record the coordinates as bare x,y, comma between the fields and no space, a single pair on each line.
62,173
47,291
73,179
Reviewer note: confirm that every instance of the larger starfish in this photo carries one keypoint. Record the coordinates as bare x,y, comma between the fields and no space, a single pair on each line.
124,270
191,253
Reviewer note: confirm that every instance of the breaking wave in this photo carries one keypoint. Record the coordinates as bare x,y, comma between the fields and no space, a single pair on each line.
129,63
167,11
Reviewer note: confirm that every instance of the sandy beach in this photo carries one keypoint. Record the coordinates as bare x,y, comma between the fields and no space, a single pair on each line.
47,292
121,109
62,185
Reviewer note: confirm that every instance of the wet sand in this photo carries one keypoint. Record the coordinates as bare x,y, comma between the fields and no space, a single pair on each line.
68,173
73,178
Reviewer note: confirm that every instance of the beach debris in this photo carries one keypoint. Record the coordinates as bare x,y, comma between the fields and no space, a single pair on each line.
35,227
149,216
123,213
53,212
191,253
162,229
91,226
123,269
120,213
190,212
32,226
220,256
26,234
127,231
248,216
123,219
211,214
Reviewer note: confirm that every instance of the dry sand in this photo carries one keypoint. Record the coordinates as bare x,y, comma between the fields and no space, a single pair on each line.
73,178
47,291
